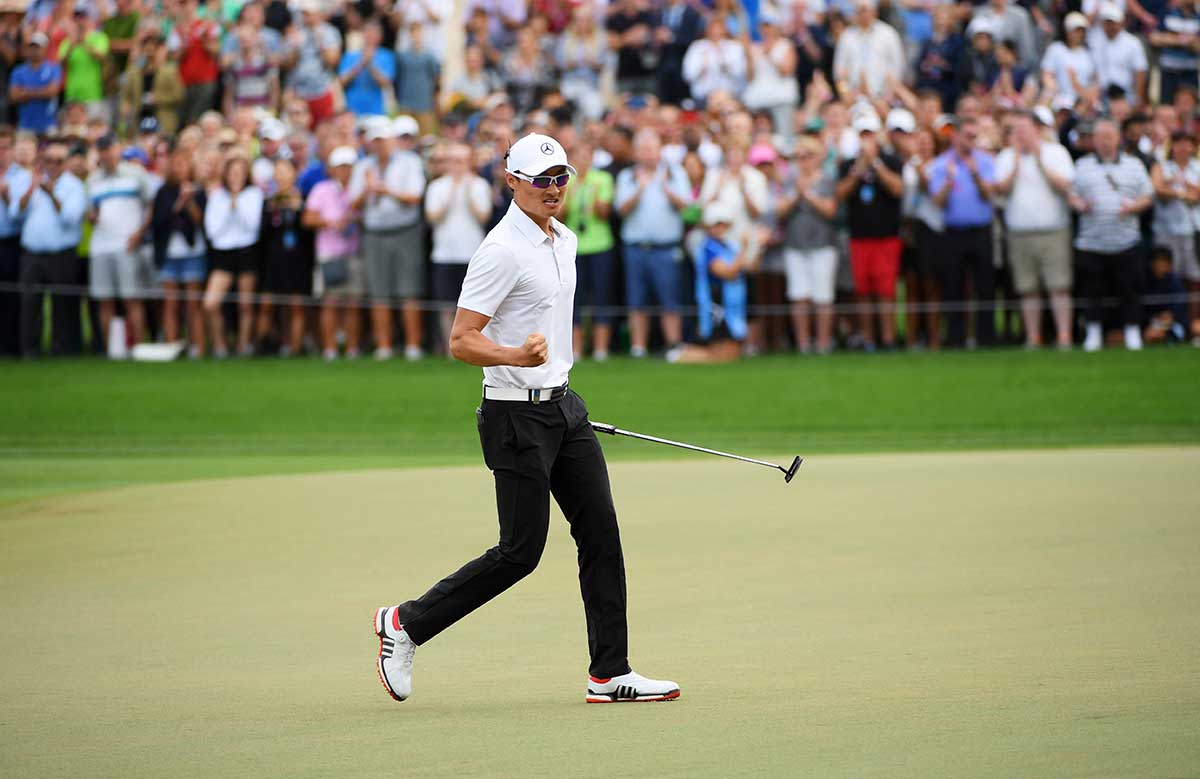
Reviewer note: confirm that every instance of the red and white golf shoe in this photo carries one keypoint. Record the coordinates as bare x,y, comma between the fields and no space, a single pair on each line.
396,651
629,688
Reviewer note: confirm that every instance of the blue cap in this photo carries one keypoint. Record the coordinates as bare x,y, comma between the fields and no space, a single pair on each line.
134,153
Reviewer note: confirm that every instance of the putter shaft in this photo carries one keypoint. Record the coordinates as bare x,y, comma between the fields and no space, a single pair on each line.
788,472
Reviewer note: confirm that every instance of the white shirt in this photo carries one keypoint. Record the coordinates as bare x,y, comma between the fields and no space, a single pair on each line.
709,66
404,175
1061,58
721,187
231,224
120,200
867,58
1033,204
459,234
525,282
1117,59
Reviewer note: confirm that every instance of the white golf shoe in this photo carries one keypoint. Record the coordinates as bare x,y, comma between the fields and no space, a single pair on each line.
1095,338
396,651
628,688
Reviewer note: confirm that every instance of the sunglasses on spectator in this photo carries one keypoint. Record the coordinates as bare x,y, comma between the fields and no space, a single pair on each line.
543,182
55,160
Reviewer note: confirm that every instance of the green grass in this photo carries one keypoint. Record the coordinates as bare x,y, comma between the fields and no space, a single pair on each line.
82,424
1011,614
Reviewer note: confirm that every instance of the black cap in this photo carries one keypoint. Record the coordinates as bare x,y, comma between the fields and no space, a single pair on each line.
105,141
148,125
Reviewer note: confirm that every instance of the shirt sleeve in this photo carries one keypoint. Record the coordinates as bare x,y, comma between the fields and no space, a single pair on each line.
1004,164
491,275
216,213
987,168
435,196
937,175
1138,55
624,188
73,205
1142,180
482,195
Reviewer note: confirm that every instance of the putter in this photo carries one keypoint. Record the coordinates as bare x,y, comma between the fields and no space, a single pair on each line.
788,472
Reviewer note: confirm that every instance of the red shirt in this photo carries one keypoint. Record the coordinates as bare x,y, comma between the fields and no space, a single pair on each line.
198,65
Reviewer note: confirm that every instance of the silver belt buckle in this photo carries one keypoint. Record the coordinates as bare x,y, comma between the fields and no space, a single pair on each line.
535,396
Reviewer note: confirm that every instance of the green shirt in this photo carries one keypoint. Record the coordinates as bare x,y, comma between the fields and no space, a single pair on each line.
595,234
121,28
85,73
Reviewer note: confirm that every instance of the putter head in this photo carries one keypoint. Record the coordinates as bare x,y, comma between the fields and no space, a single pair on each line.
791,471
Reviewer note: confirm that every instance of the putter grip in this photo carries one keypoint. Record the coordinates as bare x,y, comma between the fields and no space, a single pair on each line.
600,427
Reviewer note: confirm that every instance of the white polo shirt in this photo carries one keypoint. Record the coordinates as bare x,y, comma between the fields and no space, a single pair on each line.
525,282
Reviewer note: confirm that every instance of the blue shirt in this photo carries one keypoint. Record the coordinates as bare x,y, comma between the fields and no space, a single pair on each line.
37,115
653,219
733,297
18,180
964,207
1184,21
311,176
417,82
48,229
364,97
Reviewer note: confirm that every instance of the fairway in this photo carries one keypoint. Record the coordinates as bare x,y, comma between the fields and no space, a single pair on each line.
1019,613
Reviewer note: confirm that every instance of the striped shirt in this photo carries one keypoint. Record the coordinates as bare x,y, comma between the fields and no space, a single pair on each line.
1106,186
119,198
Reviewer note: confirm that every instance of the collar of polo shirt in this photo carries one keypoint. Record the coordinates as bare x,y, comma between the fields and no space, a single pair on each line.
529,229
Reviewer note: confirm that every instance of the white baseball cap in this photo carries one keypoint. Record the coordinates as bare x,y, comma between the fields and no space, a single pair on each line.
1075,21
535,154
405,125
867,122
343,155
272,130
1043,116
1111,12
717,214
378,130
981,25
901,119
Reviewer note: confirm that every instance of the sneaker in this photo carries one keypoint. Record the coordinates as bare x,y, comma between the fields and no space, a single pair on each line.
220,353
637,352
396,651
329,355
1095,337
352,354
285,351
382,354
628,688
600,356
675,352
1133,338
195,352
413,353
246,351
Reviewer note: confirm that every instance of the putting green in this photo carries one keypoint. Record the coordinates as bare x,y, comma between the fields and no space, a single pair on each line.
993,614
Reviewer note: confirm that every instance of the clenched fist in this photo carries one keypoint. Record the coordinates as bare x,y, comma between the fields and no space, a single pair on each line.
533,352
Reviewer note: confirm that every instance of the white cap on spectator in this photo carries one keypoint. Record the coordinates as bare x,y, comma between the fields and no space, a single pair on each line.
343,155
1075,21
535,154
272,130
1043,115
1063,103
901,119
981,25
311,6
405,125
380,129
717,214
1111,12
867,123
39,39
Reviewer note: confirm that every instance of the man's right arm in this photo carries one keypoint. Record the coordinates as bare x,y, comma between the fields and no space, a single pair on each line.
470,345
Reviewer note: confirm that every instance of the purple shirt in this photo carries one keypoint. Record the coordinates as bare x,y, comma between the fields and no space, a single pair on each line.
964,207
331,202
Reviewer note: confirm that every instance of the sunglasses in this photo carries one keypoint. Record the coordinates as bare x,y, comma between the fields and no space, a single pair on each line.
543,182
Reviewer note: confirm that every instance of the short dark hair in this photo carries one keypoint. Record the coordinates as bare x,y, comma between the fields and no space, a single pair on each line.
7,131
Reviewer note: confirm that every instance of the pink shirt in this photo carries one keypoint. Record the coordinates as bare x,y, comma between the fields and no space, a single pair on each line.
331,202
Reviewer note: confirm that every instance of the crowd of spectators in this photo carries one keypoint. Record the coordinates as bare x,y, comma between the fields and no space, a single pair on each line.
286,177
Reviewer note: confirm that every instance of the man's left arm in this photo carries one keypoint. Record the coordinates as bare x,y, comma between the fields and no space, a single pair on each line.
72,206
1144,189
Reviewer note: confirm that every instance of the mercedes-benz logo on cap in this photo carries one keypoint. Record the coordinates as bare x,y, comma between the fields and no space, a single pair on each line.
547,148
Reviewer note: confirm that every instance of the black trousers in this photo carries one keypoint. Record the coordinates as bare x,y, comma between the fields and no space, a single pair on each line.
967,253
51,268
1108,274
10,301
535,451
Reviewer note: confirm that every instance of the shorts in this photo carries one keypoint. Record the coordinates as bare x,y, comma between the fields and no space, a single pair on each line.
235,261
594,285
811,273
394,262
1183,254
183,270
1043,255
114,275
875,263
448,280
352,288
652,269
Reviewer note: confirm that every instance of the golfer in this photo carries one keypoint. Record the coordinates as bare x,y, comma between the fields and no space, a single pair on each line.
514,321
